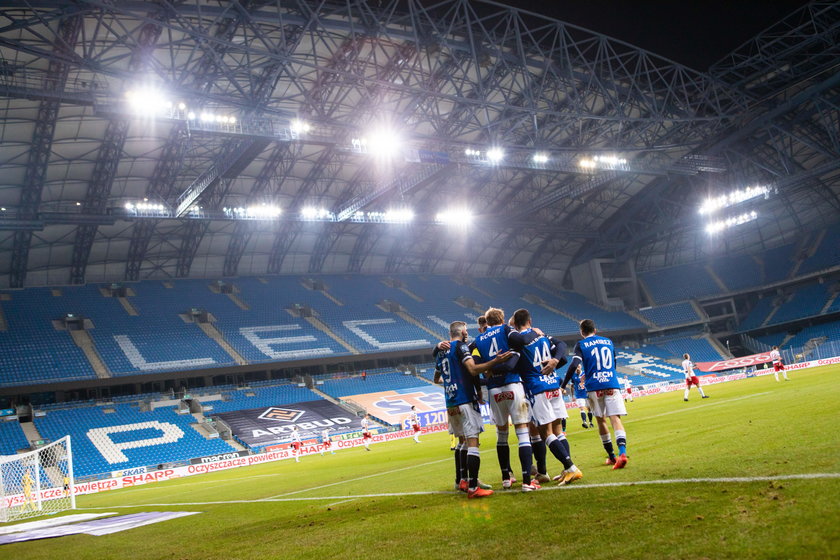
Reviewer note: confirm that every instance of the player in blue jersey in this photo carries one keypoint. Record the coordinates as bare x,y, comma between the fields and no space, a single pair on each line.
579,393
507,398
456,368
603,388
538,358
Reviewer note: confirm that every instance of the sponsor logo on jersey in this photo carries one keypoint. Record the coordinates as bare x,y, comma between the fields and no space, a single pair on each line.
503,396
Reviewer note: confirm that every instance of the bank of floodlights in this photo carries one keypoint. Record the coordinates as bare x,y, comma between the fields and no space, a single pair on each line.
712,205
722,225
540,157
495,155
147,208
456,217
382,143
255,212
606,161
311,213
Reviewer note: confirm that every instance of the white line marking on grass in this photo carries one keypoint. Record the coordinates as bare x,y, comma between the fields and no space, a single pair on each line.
730,479
342,502
707,405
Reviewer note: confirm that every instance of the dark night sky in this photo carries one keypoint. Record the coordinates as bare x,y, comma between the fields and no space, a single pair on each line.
696,33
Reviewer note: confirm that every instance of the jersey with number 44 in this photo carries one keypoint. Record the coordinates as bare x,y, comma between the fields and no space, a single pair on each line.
533,351
598,357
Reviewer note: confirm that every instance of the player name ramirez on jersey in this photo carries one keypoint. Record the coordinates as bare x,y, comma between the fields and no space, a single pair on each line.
598,357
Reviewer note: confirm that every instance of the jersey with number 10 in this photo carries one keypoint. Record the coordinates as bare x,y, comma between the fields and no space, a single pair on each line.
490,343
533,351
458,386
598,357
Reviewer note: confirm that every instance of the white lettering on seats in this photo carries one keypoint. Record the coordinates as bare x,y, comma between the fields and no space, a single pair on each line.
113,451
264,345
353,326
137,360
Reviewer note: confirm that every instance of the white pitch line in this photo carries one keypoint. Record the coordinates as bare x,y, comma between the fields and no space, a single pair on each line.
707,405
728,479
342,502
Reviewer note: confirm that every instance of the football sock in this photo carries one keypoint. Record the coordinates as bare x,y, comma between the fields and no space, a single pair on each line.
621,440
526,454
558,450
702,394
457,463
538,446
590,417
563,424
473,463
463,461
685,395
608,446
503,451
776,374
583,417
784,373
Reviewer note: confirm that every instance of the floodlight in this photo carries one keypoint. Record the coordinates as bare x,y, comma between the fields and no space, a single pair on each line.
712,205
147,101
312,213
399,216
540,157
191,116
461,217
733,221
182,106
298,126
495,155
586,163
382,143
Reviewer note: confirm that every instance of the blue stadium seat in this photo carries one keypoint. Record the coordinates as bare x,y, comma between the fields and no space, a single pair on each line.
670,315
679,283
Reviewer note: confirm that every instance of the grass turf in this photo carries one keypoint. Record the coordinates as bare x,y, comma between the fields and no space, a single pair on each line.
314,509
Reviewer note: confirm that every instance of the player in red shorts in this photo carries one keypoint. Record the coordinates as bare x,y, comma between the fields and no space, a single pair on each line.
366,435
326,442
690,378
414,422
296,443
778,364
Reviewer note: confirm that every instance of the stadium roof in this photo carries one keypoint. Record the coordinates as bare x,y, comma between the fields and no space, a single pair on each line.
449,78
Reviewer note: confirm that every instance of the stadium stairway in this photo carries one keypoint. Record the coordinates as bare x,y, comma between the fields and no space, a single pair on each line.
85,343
536,300
393,283
718,346
321,326
829,303
30,431
723,287
770,315
213,333
645,321
410,319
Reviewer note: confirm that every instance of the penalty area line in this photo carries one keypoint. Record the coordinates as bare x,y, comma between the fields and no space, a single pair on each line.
726,479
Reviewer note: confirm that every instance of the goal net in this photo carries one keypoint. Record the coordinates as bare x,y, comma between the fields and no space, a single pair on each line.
38,482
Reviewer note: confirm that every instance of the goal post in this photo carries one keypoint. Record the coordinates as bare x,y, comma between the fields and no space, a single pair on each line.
38,482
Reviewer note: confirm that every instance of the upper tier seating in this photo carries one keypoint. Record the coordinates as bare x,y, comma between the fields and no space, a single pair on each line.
94,449
739,272
679,283
826,255
669,315
373,384
12,437
673,349
806,301
778,263
758,314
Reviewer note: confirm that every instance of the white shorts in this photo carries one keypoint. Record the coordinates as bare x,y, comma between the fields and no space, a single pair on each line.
609,402
582,403
465,420
508,401
547,407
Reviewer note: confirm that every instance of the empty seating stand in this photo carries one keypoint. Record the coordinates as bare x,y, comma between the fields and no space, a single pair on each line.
670,315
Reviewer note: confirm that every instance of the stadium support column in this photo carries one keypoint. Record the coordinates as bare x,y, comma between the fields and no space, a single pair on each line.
39,150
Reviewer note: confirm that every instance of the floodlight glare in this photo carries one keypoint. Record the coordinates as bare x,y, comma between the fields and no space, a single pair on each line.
298,126
182,106
495,155
540,157
398,216
382,143
586,163
147,101
721,225
461,217
712,205
312,213
191,116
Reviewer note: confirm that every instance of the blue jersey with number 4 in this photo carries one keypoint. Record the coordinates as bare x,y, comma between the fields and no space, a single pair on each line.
458,386
533,351
491,342
598,357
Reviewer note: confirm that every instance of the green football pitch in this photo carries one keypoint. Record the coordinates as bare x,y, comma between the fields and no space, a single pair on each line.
752,472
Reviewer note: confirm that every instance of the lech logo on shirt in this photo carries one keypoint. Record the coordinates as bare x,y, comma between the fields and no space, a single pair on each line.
281,414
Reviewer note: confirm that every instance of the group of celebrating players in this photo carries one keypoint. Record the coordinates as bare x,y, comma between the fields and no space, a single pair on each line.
519,365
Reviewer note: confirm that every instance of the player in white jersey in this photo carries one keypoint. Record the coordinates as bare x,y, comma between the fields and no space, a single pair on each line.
414,423
366,435
326,442
628,388
778,364
296,443
690,378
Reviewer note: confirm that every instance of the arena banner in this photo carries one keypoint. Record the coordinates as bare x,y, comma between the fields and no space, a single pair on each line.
218,457
261,427
735,363
394,406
